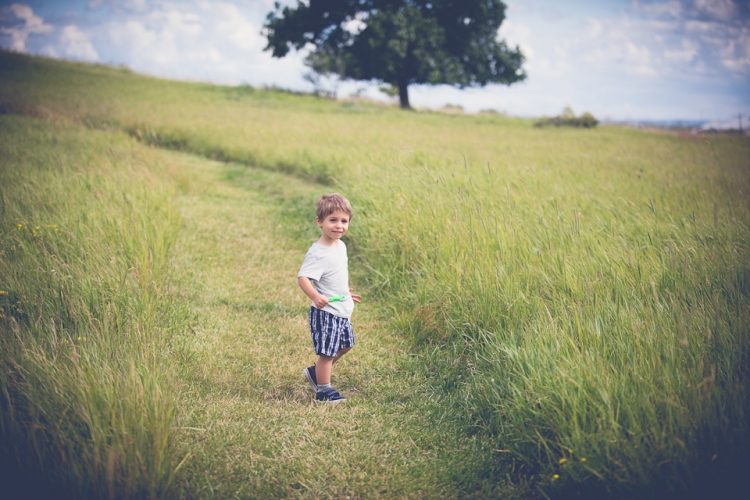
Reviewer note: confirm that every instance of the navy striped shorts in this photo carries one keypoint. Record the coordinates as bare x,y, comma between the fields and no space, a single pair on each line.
329,332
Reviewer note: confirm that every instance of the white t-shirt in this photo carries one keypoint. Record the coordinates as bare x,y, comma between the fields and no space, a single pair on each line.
328,269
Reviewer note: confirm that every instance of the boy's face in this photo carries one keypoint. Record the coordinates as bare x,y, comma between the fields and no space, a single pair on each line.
334,226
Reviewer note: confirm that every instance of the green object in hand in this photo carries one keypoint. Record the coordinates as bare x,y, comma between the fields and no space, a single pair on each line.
337,298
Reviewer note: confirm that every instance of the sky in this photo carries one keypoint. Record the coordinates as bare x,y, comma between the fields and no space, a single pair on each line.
618,59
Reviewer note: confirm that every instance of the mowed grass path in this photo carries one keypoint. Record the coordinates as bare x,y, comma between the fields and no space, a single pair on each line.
246,419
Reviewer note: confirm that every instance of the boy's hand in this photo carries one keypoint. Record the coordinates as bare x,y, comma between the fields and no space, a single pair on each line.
355,298
321,301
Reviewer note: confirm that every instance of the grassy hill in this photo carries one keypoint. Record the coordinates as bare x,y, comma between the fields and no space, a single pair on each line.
548,312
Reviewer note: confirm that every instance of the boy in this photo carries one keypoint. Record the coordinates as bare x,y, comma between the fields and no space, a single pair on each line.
324,274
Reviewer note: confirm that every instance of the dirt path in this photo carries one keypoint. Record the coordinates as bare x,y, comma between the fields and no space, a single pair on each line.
246,413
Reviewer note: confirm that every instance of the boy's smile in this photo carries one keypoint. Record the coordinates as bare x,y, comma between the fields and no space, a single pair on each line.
334,226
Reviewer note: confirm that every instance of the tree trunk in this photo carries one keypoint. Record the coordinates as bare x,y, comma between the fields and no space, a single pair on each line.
403,94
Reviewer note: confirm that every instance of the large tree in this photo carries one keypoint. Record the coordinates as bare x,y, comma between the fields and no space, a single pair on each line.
400,42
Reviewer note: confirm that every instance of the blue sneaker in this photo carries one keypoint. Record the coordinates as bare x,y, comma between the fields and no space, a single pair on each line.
310,375
329,395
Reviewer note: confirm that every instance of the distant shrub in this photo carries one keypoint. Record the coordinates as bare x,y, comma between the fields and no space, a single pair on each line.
492,112
282,90
453,109
239,92
569,119
389,90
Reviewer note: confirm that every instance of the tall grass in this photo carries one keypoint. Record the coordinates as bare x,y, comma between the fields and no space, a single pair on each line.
581,295
84,237
598,316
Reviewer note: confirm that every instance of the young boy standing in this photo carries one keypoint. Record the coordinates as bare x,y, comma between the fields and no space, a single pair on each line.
325,275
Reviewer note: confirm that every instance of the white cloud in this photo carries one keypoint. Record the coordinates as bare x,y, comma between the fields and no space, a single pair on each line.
357,24
723,33
672,9
236,27
620,47
718,10
685,54
135,5
518,34
134,37
19,21
721,10
354,26
50,51
514,33
122,5
595,27
699,27
162,38
175,24
640,59
76,44
673,38
214,41
735,55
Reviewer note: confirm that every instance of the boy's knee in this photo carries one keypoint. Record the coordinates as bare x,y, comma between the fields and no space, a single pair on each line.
342,351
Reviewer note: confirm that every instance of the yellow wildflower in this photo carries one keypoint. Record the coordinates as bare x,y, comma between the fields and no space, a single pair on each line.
583,459
556,477
3,292
562,461
20,226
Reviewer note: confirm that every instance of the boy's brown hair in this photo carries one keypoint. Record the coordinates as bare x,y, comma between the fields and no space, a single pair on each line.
330,203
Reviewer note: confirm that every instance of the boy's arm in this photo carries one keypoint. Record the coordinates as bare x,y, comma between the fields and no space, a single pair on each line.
319,300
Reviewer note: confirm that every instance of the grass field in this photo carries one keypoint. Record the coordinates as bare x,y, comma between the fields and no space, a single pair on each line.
548,312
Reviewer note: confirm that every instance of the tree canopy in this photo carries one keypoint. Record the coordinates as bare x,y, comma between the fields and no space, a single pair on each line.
400,42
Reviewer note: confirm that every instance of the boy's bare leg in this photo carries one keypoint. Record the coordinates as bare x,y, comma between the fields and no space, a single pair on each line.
341,353
324,363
